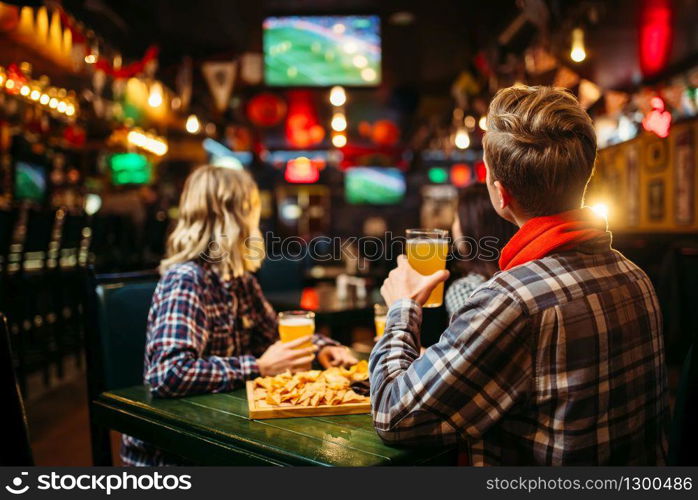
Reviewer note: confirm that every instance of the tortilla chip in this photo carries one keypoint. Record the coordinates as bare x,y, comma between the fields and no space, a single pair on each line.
352,397
310,388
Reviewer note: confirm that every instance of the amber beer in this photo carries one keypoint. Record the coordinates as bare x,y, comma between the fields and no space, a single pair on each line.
296,324
380,312
427,250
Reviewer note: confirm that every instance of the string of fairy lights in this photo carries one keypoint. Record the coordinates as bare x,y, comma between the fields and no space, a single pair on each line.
56,100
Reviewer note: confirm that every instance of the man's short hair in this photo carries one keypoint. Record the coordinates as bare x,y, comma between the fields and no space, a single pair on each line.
541,145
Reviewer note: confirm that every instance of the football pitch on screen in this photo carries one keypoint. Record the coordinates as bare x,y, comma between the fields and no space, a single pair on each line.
297,57
364,191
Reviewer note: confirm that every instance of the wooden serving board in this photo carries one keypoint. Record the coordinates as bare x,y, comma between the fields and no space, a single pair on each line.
301,411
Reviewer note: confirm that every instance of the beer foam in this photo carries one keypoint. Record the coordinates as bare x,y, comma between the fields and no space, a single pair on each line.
426,241
296,321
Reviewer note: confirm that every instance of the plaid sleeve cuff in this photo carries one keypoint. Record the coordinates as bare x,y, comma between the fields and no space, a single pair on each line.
404,314
249,368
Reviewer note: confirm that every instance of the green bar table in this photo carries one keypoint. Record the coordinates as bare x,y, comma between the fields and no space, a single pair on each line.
214,429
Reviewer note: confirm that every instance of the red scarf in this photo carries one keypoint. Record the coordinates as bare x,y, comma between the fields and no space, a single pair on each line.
541,236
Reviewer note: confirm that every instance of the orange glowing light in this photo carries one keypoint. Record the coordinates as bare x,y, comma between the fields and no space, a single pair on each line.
460,174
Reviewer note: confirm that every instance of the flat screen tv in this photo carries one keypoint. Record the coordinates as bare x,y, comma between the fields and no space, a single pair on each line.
130,168
322,51
374,186
30,181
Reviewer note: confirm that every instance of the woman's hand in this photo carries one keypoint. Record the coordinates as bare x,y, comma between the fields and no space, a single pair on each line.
335,355
282,356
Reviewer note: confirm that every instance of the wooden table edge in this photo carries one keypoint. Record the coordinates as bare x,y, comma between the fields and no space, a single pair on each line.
115,409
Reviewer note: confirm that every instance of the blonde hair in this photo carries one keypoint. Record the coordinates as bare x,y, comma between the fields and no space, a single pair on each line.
541,145
218,222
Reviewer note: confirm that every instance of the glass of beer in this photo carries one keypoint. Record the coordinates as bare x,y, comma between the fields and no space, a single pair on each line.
296,324
427,250
380,312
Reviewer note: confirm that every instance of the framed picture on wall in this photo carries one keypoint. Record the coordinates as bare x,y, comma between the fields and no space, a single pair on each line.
633,184
655,155
684,177
655,201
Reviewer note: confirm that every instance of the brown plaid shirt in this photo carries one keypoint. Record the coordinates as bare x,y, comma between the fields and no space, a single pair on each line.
559,361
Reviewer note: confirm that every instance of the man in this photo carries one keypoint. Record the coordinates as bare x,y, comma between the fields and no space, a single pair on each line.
558,359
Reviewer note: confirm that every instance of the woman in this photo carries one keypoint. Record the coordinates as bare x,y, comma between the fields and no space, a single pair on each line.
210,327
479,235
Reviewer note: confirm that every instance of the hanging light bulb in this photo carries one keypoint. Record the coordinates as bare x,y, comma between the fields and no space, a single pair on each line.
338,96
469,122
339,140
155,97
193,124
578,52
93,202
339,122
462,139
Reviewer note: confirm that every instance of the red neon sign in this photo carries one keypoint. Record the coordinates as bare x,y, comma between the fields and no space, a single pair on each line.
302,126
302,170
310,299
655,35
658,120
481,171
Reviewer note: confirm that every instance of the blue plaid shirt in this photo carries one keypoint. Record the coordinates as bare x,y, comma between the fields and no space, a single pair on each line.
204,336
559,361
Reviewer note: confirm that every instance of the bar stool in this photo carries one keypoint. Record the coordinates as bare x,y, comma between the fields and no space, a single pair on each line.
7,228
65,272
15,450
38,316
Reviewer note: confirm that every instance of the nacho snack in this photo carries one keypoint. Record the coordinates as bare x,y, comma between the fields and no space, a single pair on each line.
311,388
